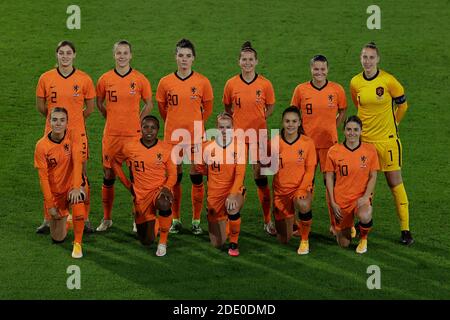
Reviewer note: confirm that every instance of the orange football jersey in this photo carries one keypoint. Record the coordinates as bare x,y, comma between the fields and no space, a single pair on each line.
249,101
59,165
184,99
225,168
150,167
68,92
296,165
123,95
319,108
352,169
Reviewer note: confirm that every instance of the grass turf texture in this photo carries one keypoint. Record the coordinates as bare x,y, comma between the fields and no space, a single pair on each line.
286,35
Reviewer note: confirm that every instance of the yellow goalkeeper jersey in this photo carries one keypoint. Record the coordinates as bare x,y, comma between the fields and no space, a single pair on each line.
376,99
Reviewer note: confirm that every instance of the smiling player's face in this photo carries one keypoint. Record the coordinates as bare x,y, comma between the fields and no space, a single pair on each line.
149,130
291,123
319,71
369,60
352,132
65,57
122,56
248,61
58,122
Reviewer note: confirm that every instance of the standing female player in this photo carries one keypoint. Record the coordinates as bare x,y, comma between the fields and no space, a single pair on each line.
185,101
250,98
74,90
381,104
351,175
119,93
296,160
323,105
58,159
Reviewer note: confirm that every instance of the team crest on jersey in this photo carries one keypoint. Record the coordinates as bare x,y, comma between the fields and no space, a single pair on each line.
300,155
194,92
363,163
380,91
330,100
159,157
76,89
258,95
66,148
132,87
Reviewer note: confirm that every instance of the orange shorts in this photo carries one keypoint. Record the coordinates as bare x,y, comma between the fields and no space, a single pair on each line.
348,212
283,205
216,207
112,147
322,157
62,204
145,209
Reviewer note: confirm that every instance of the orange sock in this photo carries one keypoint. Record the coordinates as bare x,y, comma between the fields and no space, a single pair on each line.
87,202
78,212
164,226
304,226
176,205
107,199
197,193
264,199
235,229
364,229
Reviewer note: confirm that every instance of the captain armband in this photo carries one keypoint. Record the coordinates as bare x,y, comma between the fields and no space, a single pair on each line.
400,100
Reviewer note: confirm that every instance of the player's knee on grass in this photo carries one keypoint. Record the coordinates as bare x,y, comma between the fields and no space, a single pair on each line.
58,230
261,182
196,179
284,229
146,232
344,238
217,233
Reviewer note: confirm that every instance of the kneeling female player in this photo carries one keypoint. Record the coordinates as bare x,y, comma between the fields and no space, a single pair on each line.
295,156
351,174
58,158
224,164
153,175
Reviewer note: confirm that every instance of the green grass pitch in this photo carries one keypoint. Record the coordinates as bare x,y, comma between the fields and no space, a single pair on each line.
414,44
